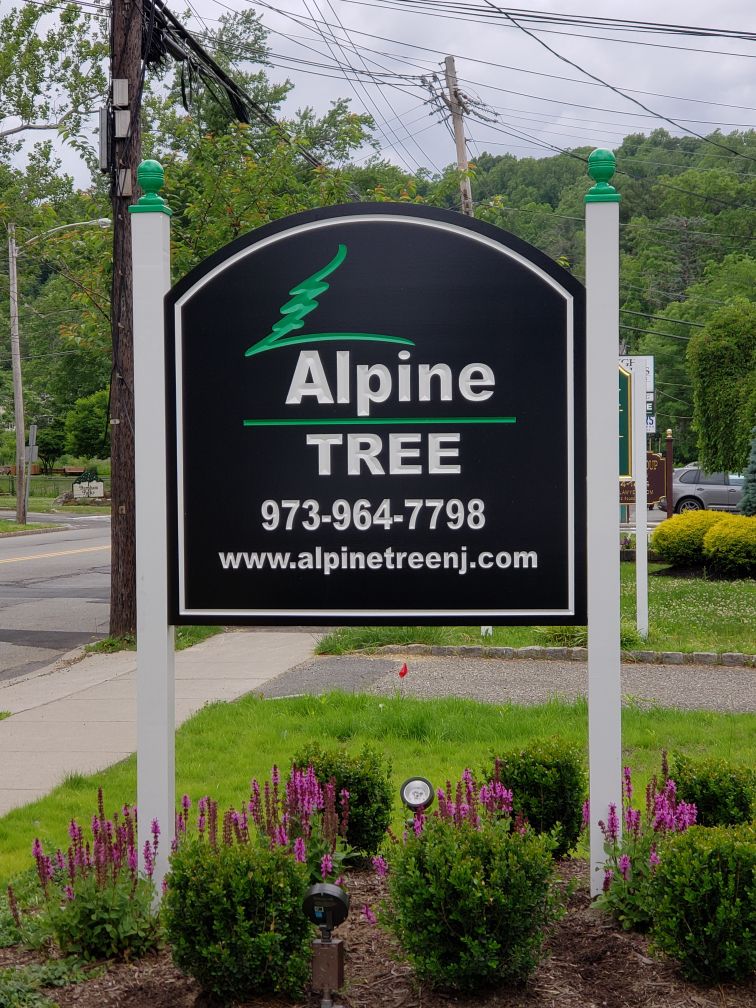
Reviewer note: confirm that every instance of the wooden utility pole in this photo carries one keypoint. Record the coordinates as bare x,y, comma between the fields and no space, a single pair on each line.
18,389
125,155
457,107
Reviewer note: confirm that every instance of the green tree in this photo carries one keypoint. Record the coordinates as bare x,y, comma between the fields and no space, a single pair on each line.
87,426
52,75
51,443
722,360
748,500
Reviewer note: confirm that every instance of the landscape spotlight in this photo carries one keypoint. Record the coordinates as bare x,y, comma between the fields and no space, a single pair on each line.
327,906
417,794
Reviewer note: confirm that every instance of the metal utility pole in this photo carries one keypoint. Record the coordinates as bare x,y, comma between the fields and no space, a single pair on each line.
457,107
124,157
18,390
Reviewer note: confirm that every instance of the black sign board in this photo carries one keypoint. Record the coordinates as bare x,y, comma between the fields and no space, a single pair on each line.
377,415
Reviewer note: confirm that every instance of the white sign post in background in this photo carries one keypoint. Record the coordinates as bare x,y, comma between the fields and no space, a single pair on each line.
156,717
641,496
602,330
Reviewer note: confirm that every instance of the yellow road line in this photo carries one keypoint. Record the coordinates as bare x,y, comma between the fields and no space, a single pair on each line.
60,553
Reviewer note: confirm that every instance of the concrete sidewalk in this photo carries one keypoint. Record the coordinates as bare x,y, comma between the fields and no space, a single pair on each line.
79,716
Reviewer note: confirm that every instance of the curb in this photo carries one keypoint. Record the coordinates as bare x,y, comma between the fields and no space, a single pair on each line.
728,658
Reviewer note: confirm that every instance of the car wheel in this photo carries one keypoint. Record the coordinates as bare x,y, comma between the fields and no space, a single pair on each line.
689,504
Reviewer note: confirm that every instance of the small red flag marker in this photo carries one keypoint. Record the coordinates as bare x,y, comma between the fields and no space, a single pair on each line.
403,671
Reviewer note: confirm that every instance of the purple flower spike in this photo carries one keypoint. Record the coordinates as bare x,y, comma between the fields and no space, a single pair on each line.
628,780
623,864
586,814
326,866
149,861
612,823
380,866
300,851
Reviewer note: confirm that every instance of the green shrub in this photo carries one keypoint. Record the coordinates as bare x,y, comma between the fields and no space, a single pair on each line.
548,783
21,986
723,794
729,547
367,778
105,921
679,539
233,917
705,903
633,858
96,905
469,906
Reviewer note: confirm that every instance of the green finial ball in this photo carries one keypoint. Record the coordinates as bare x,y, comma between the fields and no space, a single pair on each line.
150,176
151,179
601,165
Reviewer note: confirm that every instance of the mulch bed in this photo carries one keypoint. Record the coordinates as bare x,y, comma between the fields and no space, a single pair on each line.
590,964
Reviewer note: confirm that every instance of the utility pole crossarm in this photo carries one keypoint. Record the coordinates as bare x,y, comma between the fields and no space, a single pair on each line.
457,108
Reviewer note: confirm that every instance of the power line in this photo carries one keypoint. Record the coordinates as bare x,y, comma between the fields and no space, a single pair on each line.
662,318
500,66
617,90
406,8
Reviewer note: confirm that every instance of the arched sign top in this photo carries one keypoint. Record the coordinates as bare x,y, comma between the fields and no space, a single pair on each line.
393,400
434,217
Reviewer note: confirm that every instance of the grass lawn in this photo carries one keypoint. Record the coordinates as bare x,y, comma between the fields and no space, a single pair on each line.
12,526
685,614
185,636
224,745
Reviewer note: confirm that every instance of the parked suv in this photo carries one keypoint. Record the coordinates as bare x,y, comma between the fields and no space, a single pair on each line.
695,490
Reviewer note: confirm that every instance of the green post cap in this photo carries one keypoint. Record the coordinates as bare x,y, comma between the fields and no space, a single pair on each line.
151,178
601,166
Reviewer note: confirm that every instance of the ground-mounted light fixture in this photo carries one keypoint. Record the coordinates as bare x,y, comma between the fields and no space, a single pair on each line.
327,906
417,794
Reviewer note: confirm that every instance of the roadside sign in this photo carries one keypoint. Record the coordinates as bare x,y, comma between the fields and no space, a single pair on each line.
625,423
377,416
655,487
646,363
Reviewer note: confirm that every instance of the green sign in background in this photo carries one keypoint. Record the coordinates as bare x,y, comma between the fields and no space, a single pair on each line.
625,426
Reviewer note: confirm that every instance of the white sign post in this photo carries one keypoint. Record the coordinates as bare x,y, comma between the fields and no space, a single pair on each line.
156,784
641,497
604,693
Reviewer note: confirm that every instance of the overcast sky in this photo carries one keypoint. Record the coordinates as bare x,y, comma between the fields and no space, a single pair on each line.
702,83
720,75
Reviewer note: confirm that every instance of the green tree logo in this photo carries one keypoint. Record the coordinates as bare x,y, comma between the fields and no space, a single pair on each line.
304,299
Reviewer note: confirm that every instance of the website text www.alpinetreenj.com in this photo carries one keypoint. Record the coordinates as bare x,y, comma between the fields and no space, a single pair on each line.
330,561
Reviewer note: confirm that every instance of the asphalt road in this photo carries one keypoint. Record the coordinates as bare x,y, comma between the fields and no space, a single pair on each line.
54,592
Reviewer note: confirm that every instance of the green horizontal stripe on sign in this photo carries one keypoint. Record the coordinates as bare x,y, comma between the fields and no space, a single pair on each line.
380,422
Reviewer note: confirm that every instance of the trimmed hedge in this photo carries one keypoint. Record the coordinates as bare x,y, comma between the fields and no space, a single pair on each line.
233,917
367,777
470,906
729,547
679,540
724,795
704,913
548,783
